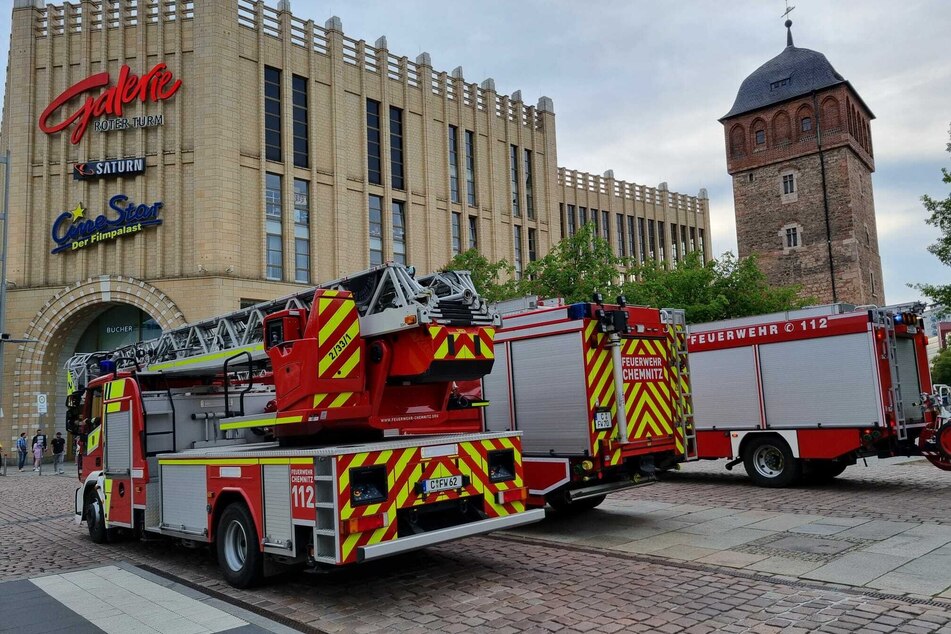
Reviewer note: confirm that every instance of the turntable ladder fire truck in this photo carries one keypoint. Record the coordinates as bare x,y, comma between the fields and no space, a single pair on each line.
272,433
805,393
600,393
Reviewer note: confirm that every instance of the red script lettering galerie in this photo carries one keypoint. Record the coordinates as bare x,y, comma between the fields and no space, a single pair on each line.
156,85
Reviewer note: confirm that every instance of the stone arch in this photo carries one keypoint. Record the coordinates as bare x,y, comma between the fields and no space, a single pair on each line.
831,117
782,130
56,329
758,125
805,112
737,140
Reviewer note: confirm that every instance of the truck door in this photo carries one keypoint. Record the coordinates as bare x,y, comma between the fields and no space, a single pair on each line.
117,438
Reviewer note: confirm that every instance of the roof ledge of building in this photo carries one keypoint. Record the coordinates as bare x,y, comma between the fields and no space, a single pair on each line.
29,4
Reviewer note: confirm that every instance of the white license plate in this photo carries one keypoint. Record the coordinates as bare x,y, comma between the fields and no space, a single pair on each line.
442,484
602,420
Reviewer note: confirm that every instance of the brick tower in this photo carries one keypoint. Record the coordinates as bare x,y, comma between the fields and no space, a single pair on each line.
799,149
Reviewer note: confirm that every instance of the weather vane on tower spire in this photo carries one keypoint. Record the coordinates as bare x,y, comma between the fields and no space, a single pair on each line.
785,14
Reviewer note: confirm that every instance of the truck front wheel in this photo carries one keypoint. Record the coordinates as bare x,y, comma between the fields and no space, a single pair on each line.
96,522
770,462
239,556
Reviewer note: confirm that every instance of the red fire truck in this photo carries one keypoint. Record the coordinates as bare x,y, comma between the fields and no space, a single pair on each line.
808,392
273,434
598,391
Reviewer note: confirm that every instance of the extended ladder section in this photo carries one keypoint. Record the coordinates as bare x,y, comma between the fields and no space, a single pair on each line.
676,321
886,319
388,299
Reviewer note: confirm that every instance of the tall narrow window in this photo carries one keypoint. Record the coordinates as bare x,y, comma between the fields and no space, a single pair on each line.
396,147
473,232
683,240
584,215
792,237
456,233
301,137
518,252
374,143
621,245
301,231
871,281
532,245
273,228
376,230
661,239
453,163
789,183
806,124
571,220
693,239
674,241
606,226
513,166
631,237
399,232
597,224
470,168
640,240
561,216
272,114
529,199
700,241
651,241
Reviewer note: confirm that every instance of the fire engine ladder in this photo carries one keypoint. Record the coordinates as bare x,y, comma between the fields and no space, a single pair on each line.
887,320
676,319
388,298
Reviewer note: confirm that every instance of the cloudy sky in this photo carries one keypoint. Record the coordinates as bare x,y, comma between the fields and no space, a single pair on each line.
638,86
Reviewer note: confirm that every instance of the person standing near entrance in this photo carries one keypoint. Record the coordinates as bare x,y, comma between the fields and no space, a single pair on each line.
22,450
38,449
59,452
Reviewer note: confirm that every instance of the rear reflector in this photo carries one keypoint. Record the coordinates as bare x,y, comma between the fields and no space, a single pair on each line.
362,524
512,495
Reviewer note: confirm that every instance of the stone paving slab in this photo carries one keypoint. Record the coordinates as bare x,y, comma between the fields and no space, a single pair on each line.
877,529
857,568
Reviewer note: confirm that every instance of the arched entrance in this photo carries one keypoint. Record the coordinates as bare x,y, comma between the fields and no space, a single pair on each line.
104,311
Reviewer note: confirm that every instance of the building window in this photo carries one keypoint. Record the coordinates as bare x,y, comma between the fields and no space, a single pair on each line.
789,183
376,230
272,114
513,166
871,282
532,245
651,241
674,241
453,164
529,198
273,226
693,239
683,240
661,238
594,220
792,237
621,245
396,147
301,137
700,241
571,220
760,137
631,237
470,168
301,231
583,211
473,232
374,151
518,252
806,124
642,252
399,232
606,226
456,233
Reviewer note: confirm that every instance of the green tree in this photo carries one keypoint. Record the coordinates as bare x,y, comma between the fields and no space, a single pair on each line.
941,218
575,268
494,280
941,367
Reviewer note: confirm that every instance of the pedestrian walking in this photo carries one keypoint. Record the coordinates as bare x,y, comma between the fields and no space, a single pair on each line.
59,452
22,450
39,436
38,450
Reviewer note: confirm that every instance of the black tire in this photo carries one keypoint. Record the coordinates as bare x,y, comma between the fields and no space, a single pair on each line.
236,544
770,463
96,523
561,505
821,471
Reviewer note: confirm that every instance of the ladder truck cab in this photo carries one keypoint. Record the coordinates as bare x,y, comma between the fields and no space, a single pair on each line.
600,393
805,393
273,434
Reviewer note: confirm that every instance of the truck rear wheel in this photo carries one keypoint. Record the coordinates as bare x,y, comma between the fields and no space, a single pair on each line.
825,470
561,505
770,462
239,556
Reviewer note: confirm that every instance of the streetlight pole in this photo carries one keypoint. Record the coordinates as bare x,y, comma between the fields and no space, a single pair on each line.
5,218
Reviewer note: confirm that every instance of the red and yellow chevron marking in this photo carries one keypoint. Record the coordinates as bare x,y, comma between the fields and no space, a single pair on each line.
647,404
677,339
338,399
462,343
599,373
492,506
338,340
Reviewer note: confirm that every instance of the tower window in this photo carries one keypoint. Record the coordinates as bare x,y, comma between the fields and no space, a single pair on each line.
789,183
792,237
760,137
871,282
806,124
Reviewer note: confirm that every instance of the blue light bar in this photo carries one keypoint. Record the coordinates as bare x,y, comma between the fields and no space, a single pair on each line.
577,311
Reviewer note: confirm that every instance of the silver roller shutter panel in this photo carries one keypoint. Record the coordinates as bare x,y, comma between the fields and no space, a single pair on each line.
551,403
910,387
832,381
495,389
278,527
184,489
725,393
118,438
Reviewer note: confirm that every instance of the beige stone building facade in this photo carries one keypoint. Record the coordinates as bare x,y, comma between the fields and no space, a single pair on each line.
172,160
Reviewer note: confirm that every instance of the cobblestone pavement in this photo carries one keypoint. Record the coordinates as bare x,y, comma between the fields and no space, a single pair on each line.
894,490
501,584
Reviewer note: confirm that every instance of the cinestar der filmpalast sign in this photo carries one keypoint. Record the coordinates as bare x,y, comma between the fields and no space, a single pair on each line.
72,230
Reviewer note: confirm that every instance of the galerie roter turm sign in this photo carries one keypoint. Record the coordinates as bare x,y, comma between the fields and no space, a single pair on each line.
154,86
